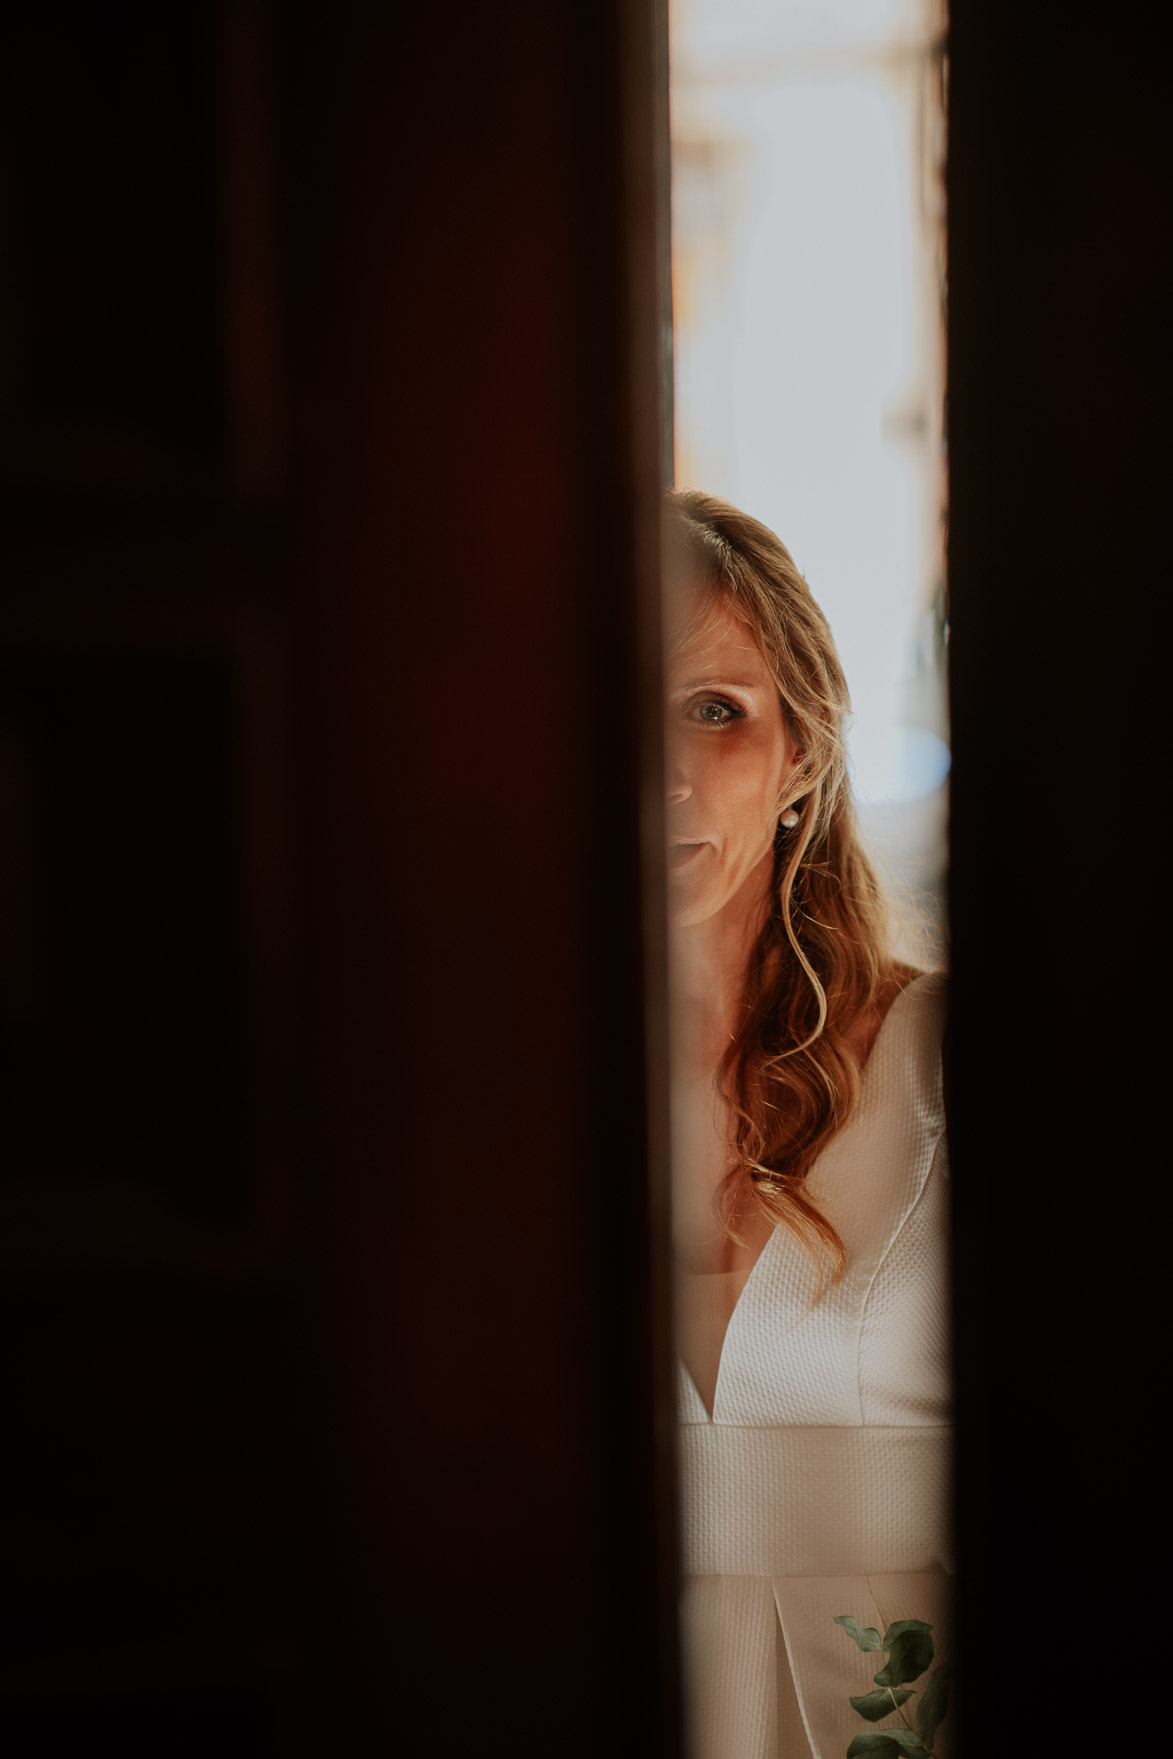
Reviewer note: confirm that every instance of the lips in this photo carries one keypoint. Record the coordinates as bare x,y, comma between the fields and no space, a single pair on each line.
682,852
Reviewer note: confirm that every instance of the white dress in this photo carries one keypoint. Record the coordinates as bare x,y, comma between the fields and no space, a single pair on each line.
820,1484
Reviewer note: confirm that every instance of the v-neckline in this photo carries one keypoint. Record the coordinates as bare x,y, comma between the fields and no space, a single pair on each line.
772,1239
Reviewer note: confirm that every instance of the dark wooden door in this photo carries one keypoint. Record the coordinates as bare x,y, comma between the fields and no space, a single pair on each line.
338,1410
1060,376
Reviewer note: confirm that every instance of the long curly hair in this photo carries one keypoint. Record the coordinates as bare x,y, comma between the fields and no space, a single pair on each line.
791,1074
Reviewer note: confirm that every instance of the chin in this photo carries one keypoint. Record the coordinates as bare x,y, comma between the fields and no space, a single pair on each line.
686,912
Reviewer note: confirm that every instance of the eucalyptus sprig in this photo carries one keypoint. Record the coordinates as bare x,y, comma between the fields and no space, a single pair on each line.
908,1646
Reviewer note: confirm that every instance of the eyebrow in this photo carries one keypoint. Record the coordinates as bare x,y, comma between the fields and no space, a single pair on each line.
719,681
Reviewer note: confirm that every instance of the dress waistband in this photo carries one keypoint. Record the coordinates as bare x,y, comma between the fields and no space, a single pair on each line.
814,1501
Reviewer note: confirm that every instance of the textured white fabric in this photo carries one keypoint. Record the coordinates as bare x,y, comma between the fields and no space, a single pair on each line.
820,1485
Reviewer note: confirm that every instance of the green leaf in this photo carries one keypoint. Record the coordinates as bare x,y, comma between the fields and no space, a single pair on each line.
935,1702
866,1636
893,1631
887,1743
911,1653
873,1705
906,1742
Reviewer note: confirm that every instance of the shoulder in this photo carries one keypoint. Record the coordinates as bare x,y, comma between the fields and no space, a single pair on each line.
902,1074
926,983
916,1030
922,1000
907,991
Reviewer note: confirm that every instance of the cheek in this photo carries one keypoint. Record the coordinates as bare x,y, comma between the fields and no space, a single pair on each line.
743,781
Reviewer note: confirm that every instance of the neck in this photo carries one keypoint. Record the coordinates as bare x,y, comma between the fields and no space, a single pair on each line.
709,962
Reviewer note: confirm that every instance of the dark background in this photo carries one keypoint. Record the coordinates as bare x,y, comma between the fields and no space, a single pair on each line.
330,441
1060,375
336,1402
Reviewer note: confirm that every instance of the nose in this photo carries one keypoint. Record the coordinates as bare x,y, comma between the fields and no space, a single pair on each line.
677,782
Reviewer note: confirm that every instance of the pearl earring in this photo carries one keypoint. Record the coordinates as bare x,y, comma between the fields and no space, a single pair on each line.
788,819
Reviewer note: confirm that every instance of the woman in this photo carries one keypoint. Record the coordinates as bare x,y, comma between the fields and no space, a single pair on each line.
810,1174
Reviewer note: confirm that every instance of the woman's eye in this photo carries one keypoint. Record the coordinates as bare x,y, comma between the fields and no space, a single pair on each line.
715,712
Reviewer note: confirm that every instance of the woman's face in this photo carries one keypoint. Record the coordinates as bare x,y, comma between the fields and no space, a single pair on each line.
729,758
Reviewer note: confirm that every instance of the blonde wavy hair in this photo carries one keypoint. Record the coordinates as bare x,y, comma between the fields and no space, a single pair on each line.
823,955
